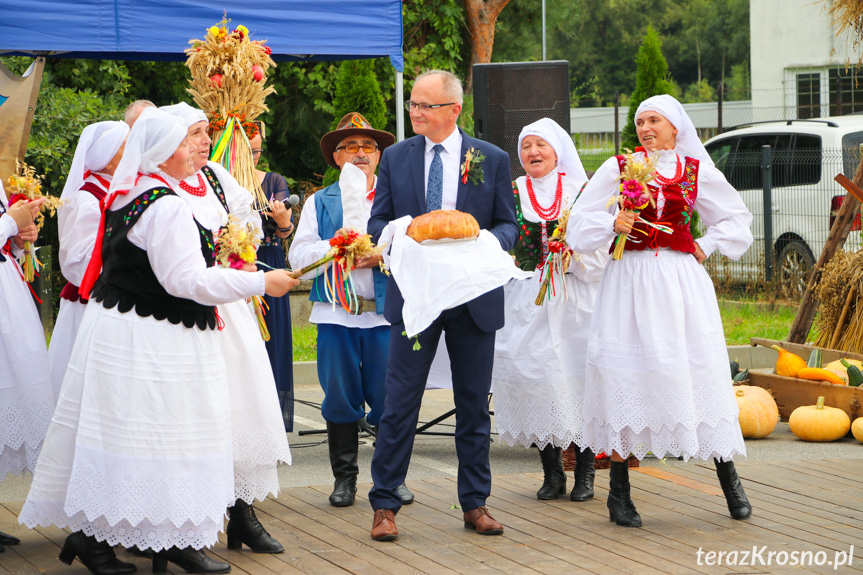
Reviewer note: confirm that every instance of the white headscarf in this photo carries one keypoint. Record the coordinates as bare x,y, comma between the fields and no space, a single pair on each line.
189,114
155,136
98,144
568,161
686,143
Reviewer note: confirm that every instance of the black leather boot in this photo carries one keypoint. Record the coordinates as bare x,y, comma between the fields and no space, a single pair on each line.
244,527
97,556
192,560
621,509
343,440
738,503
585,471
554,481
6,539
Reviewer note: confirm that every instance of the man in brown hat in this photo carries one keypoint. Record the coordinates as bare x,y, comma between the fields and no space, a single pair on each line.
353,346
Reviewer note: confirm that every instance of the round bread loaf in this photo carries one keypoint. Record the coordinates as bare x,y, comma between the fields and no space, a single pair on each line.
443,224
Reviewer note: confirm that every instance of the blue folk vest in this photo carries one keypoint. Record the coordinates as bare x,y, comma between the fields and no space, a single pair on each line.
328,204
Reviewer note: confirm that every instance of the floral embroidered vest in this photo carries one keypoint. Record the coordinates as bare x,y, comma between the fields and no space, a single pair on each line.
676,214
528,248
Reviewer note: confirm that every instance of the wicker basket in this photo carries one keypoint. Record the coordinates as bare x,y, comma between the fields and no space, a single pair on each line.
599,462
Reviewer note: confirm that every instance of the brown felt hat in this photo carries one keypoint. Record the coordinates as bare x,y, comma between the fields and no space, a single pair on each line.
351,124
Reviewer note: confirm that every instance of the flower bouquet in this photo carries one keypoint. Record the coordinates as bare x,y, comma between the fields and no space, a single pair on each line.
237,246
346,248
229,73
558,261
634,195
26,185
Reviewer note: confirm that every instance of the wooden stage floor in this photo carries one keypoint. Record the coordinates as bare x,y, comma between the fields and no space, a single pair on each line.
802,509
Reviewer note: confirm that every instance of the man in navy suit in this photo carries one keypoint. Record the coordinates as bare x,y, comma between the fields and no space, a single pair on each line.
417,176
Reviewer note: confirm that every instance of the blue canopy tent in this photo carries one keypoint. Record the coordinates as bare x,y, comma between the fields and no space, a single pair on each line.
159,30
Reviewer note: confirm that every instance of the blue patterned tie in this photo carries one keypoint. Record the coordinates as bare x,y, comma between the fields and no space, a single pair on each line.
434,193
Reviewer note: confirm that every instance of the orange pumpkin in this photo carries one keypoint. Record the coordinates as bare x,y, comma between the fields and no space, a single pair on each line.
857,429
819,374
758,411
819,422
787,363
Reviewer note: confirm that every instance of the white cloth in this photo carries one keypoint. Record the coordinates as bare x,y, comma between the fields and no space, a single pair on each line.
26,395
452,160
438,276
656,358
77,224
97,146
355,206
539,355
257,429
139,449
687,142
188,114
568,161
306,248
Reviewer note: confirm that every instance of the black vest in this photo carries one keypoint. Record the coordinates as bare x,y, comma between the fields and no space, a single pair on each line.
128,281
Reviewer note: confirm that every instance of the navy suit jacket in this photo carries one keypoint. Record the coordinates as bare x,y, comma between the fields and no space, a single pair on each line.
401,192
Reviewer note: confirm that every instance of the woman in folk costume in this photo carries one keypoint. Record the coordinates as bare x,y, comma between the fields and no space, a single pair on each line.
26,396
656,355
99,150
257,430
139,449
538,377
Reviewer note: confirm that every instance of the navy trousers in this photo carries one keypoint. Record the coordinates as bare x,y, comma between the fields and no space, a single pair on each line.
471,353
351,368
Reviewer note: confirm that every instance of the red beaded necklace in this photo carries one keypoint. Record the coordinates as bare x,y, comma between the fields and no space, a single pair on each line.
678,175
199,191
553,211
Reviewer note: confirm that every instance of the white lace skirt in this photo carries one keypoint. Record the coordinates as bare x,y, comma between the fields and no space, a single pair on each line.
139,449
63,339
26,397
539,356
257,428
657,362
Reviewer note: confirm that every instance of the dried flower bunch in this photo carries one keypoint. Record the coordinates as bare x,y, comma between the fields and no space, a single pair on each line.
229,74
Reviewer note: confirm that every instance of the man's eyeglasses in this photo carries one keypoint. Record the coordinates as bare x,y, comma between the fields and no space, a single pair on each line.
410,105
354,148
256,153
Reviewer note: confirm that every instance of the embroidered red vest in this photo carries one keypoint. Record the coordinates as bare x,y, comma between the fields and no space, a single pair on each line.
676,214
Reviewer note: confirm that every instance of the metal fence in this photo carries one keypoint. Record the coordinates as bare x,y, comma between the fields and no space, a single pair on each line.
793,199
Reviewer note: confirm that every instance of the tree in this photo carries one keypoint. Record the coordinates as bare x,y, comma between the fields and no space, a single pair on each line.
481,18
651,78
357,90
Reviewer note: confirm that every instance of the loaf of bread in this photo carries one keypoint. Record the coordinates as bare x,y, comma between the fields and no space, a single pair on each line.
443,224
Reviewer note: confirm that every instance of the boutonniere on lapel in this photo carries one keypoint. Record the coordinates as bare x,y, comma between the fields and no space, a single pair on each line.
472,166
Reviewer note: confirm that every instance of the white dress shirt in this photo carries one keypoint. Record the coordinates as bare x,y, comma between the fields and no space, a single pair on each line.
306,249
451,158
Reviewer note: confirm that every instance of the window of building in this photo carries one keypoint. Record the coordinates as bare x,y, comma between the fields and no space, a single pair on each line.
809,95
846,91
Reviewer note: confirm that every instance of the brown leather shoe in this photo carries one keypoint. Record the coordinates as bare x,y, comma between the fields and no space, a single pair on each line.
384,527
481,520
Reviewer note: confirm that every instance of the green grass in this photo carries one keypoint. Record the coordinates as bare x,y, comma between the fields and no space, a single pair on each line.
743,321
305,343
740,322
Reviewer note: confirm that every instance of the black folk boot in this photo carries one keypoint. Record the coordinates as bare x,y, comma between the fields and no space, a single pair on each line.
621,509
738,503
585,471
343,440
192,560
244,527
554,482
97,556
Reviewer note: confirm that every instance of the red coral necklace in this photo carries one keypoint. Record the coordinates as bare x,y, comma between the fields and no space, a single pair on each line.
553,211
678,175
200,190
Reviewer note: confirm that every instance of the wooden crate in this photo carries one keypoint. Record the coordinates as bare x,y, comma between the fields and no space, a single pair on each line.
790,392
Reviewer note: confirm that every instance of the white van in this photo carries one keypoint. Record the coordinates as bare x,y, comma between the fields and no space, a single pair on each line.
806,156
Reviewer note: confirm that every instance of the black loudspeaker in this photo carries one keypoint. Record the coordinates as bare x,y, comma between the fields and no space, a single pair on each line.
510,95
